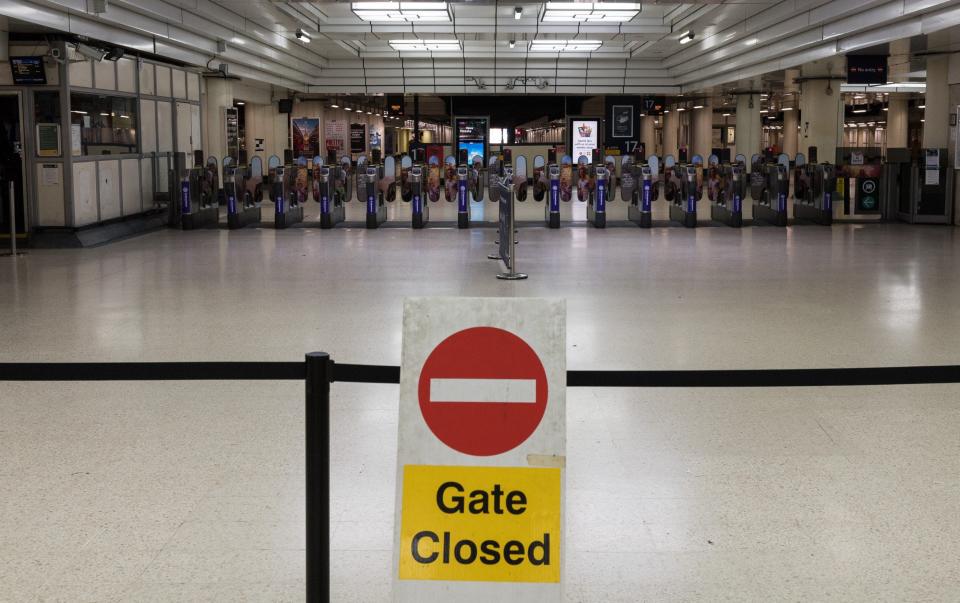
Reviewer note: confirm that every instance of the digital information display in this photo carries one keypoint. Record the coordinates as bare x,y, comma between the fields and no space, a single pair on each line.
584,133
471,133
28,71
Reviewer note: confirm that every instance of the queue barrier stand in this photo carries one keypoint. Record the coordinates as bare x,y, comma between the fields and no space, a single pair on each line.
319,371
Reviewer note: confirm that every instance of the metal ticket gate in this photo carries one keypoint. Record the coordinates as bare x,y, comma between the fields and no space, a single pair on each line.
772,204
420,214
597,203
640,210
814,203
369,186
242,209
463,197
552,207
728,205
684,206
331,206
288,195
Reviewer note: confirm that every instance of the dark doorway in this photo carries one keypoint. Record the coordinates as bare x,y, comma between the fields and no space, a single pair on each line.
11,164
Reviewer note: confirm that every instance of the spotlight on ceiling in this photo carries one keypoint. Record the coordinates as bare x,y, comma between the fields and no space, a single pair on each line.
687,37
513,43
518,12
302,36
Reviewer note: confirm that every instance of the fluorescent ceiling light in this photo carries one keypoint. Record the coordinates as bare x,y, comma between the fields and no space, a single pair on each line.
402,12
565,45
859,110
240,103
681,109
751,42
413,44
334,106
513,43
764,110
79,112
726,114
787,109
611,12
687,37
886,109
698,106
921,106
347,109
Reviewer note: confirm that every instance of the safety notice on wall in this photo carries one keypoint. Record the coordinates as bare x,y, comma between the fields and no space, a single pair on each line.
482,444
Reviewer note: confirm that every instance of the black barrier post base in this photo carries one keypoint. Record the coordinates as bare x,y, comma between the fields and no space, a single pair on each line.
319,374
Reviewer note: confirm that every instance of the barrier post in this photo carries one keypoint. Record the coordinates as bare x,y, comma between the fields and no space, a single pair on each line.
13,221
319,374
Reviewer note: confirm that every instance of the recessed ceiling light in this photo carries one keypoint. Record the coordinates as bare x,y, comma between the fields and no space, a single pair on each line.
787,109
615,12
403,12
413,44
726,114
565,45
921,106
698,106
513,43
518,12
240,103
334,106
347,109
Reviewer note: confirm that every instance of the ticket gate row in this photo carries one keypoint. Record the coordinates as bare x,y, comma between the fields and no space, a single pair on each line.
769,187
726,193
197,189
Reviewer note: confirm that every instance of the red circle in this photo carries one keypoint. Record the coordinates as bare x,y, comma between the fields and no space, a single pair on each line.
482,428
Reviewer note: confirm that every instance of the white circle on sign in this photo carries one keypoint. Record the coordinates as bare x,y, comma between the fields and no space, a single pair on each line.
869,186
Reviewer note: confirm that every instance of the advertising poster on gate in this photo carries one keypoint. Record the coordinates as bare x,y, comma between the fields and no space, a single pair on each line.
481,451
335,135
306,136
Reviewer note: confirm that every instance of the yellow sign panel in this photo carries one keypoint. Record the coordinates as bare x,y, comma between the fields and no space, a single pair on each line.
494,524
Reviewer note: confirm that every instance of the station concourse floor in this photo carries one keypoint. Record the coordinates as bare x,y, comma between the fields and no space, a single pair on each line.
193,491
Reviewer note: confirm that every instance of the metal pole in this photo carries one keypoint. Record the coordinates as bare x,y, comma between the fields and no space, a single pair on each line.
13,221
319,374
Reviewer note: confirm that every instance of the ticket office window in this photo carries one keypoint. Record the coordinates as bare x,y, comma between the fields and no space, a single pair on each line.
107,125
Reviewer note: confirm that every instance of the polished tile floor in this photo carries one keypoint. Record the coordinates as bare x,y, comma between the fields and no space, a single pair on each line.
193,491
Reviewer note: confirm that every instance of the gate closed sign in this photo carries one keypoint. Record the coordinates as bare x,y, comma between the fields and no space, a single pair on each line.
480,477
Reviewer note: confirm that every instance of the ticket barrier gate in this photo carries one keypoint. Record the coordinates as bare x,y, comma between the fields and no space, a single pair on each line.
331,205
420,210
368,185
287,194
728,205
771,207
552,207
597,202
640,210
683,209
813,201
463,196
242,208
198,188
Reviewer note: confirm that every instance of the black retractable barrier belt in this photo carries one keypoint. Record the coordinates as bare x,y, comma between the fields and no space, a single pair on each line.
365,373
892,375
151,371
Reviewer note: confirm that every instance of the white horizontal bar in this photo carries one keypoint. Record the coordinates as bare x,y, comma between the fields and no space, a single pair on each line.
522,391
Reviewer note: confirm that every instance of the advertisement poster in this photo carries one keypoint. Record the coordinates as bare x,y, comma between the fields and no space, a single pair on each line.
306,136
434,151
358,138
335,134
584,138
622,121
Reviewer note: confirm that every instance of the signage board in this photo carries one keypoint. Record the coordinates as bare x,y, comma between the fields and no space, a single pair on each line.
583,134
358,138
866,69
868,195
653,105
471,135
28,71
482,445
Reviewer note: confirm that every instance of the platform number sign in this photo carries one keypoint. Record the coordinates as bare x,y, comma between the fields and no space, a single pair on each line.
480,479
653,105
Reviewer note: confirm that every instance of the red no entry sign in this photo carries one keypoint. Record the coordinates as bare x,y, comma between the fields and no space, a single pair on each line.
483,391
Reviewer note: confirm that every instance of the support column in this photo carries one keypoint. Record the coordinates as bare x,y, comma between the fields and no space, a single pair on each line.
648,135
219,96
790,107
936,129
747,132
821,111
702,130
671,127
898,115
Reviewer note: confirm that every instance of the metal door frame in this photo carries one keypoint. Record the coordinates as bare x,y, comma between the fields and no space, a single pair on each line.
23,164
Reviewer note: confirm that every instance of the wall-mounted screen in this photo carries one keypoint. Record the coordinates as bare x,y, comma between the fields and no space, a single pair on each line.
28,71
471,134
584,137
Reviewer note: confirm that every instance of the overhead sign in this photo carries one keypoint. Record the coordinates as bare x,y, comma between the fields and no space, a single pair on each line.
480,478
653,105
866,69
